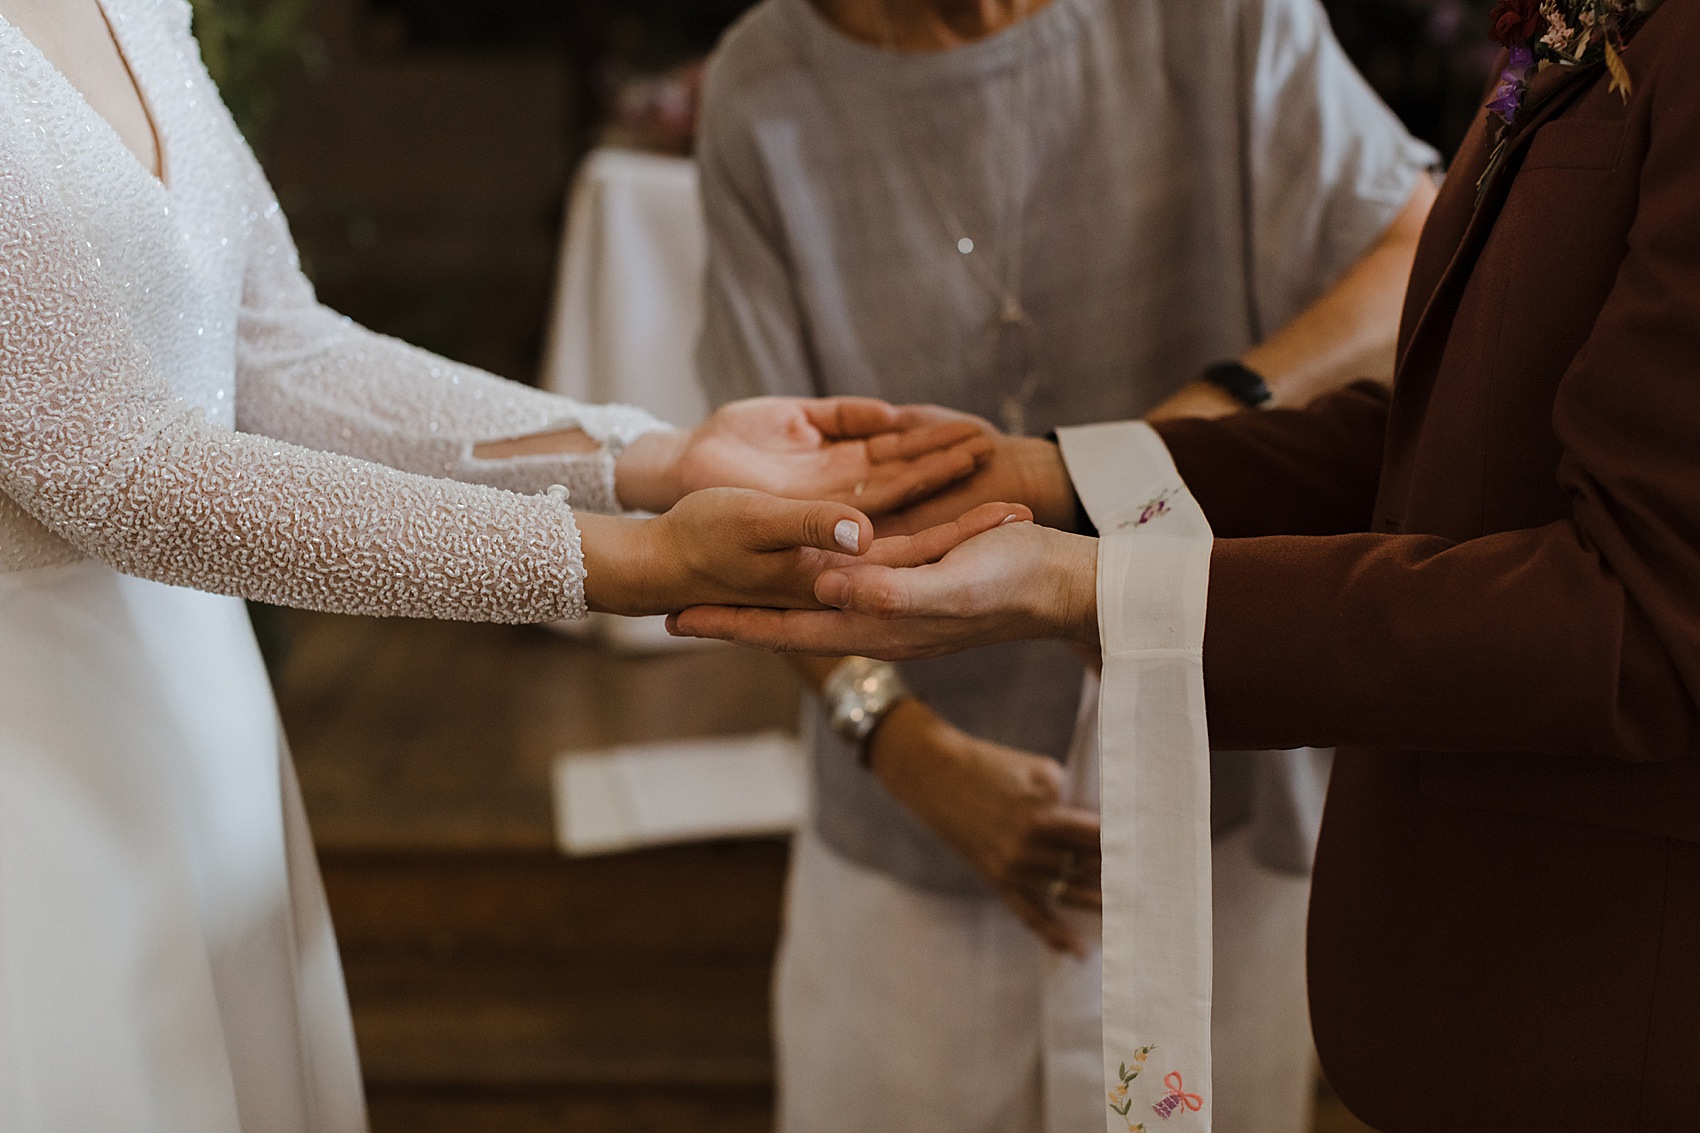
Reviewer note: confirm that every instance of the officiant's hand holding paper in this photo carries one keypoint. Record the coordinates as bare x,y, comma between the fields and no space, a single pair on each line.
940,591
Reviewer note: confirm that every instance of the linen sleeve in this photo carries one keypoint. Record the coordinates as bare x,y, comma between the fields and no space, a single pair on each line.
312,377
753,342
1328,165
1580,637
95,446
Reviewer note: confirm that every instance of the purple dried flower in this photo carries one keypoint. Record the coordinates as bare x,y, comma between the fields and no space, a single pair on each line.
1513,85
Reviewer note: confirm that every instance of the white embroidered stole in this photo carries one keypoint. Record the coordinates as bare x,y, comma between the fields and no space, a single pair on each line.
1153,581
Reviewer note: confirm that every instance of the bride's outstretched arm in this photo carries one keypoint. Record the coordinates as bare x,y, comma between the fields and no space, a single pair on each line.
310,376
95,446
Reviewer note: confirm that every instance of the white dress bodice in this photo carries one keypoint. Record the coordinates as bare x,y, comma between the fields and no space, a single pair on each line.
174,401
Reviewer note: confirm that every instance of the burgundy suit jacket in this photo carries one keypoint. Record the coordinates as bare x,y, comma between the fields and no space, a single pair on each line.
1487,591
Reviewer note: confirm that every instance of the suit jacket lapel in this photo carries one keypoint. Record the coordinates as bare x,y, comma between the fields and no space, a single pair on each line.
1470,212
1443,235
1458,230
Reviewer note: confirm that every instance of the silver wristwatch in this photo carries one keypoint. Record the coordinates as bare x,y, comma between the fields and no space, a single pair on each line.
859,693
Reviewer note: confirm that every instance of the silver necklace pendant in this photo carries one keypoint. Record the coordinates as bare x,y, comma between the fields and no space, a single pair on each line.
1012,407
1013,313
1013,416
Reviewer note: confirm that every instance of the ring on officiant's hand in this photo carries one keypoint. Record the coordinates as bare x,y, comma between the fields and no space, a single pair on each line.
1058,887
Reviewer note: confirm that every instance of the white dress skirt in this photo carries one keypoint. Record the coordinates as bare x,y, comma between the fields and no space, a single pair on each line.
166,956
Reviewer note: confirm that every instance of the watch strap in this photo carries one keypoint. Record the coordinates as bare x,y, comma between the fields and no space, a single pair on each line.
1240,382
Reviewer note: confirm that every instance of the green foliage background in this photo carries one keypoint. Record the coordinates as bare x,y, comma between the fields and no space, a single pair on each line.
254,50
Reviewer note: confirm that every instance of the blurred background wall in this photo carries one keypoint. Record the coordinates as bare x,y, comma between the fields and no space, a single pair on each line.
422,148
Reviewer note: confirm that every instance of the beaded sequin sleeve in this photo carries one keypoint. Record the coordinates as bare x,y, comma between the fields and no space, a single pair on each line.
309,375
100,458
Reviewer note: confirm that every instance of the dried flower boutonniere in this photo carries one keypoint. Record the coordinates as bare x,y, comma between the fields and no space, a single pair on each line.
1554,33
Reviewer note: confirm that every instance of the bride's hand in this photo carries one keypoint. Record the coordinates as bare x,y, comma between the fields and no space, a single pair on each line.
722,547
852,450
981,580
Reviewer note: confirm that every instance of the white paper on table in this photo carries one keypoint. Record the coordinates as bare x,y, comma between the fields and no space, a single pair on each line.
627,797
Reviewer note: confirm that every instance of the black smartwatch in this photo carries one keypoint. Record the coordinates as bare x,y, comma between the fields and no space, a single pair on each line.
1240,382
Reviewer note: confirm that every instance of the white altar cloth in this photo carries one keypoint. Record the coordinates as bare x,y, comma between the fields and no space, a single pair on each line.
628,298
627,312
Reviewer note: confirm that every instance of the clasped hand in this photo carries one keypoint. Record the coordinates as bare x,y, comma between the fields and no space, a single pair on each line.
745,544
991,576
734,549
953,583
854,450
1002,810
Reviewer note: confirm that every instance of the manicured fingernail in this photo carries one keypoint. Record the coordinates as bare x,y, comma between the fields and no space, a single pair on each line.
833,590
849,535
1009,520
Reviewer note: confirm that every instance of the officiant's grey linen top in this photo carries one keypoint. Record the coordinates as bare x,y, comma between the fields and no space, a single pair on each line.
1183,178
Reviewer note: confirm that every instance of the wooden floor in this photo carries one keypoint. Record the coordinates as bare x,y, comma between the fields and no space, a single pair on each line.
496,984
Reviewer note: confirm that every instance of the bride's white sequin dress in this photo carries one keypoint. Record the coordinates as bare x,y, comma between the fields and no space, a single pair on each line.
170,397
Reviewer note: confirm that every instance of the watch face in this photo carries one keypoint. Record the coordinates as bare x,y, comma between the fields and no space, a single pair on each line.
860,692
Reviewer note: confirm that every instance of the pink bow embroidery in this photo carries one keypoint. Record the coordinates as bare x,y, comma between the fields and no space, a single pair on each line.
1177,1097
1155,508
